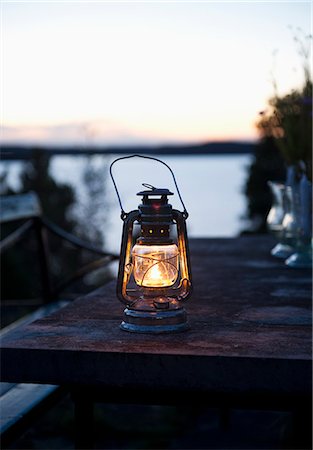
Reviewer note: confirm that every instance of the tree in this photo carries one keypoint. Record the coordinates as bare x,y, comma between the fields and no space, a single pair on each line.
84,217
56,199
19,271
289,123
285,129
267,165
288,118
90,211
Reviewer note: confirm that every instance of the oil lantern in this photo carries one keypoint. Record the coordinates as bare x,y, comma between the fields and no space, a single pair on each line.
154,277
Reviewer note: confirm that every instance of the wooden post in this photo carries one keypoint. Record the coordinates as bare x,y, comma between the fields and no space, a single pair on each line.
84,421
302,425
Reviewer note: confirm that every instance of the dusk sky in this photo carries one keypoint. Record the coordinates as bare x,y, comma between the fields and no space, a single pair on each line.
124,73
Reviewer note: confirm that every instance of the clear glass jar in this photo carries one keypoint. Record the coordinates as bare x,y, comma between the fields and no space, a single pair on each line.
302,257
276,214
291,217
155,265
275,219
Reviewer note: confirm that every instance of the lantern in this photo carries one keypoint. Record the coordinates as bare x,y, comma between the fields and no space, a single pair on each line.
154,275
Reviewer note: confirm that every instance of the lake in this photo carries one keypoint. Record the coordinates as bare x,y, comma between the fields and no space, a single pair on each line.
211,187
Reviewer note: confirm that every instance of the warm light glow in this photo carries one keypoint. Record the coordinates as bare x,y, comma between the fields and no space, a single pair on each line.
155,273
155,265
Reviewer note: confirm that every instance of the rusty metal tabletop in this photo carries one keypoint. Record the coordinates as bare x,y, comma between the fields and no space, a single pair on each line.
250,332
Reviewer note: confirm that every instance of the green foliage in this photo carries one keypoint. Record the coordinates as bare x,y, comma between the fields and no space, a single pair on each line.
90,212
285,129
20,270
55,198
289,122
288,118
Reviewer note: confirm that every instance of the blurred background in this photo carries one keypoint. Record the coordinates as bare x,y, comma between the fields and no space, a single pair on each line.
216,90
221,92
194,84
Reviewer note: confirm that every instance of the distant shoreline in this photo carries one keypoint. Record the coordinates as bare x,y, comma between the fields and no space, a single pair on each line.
20,152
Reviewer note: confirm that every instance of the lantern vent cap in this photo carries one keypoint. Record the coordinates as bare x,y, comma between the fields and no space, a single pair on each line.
154,191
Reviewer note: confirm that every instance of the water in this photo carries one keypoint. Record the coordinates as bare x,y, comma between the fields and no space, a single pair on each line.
211,187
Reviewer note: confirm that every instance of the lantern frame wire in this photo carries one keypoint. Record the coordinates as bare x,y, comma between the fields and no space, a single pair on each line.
123,213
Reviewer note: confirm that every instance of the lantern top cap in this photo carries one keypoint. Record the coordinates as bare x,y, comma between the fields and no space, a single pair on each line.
154,191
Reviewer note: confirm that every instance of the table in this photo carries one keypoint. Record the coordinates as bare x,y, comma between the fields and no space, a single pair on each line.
249,342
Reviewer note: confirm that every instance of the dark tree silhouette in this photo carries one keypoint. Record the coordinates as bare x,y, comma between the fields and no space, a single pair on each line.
285,141
19,271
268,164
55,198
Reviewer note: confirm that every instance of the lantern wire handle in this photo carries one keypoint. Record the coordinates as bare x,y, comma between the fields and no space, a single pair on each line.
123,213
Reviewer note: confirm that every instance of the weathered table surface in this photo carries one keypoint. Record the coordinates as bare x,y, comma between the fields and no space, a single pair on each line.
250,332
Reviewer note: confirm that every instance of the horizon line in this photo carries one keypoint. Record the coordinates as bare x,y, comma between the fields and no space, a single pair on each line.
20,151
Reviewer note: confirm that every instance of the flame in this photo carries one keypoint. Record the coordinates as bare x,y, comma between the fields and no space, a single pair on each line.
155,274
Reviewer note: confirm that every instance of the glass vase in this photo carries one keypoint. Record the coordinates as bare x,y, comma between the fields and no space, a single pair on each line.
302,256
275,218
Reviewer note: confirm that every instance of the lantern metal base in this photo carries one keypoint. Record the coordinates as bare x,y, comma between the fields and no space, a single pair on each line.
155,322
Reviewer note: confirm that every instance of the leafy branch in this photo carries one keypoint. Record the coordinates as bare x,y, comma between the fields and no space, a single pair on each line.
289,118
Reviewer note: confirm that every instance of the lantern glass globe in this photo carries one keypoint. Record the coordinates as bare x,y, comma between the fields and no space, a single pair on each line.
155,265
